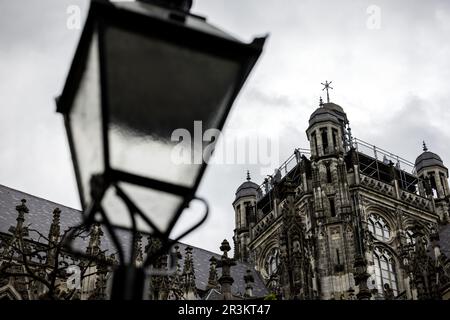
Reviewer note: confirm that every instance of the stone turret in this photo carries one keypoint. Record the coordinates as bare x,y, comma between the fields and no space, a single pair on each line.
244,205
434,175
328,130
430,166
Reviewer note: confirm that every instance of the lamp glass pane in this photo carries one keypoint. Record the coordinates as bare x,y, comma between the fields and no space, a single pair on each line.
155,87
86,122
158,206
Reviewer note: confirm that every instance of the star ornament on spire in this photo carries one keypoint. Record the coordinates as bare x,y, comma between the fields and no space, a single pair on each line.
326,86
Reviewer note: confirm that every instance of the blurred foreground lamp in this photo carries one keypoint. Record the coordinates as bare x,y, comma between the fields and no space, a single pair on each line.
142,70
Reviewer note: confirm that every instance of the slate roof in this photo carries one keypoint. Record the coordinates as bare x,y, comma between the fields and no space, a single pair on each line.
40,218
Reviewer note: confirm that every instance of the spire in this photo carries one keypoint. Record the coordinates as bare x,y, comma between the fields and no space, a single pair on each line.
213,282
425,146
53,235
190,289
139,258
327,87
248,175
95,236
153,245
176,282
19,229
21,209
226,280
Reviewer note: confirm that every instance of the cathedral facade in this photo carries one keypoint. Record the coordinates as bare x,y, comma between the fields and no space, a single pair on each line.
341,223
340,220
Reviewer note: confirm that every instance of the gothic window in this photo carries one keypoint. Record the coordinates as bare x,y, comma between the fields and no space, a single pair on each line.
324,136
384,271
329,178
335,246
272,262
334,134
332,207
379,227
433,184
314,138
432,180
238,215
443,183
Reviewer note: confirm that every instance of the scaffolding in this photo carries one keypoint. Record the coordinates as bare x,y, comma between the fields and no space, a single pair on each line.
376,163
289,168
372,161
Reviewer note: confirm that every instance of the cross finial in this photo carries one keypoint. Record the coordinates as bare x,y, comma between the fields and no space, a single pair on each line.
327,87
425,146
248,175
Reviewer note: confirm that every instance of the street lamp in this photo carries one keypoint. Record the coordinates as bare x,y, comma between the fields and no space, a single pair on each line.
141,70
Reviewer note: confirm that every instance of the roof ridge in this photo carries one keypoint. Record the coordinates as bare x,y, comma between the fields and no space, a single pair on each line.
38,197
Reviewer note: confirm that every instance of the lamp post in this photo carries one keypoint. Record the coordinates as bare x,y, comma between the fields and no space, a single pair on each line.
141,70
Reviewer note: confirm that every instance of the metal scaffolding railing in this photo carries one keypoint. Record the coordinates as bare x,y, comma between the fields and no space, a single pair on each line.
284,169
408,179
375,163
287,168
370,149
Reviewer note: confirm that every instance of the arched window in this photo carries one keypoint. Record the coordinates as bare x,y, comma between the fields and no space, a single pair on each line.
314,139
334,134
379,227
324,136
384,271
272,262
329,177
332,207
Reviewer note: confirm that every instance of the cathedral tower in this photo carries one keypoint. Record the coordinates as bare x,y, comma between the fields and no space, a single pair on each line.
244,205
328,135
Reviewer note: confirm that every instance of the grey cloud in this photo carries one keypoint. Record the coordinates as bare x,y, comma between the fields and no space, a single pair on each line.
271,99
404,130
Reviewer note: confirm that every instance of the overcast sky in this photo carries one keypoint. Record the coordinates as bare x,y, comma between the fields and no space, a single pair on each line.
390,75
